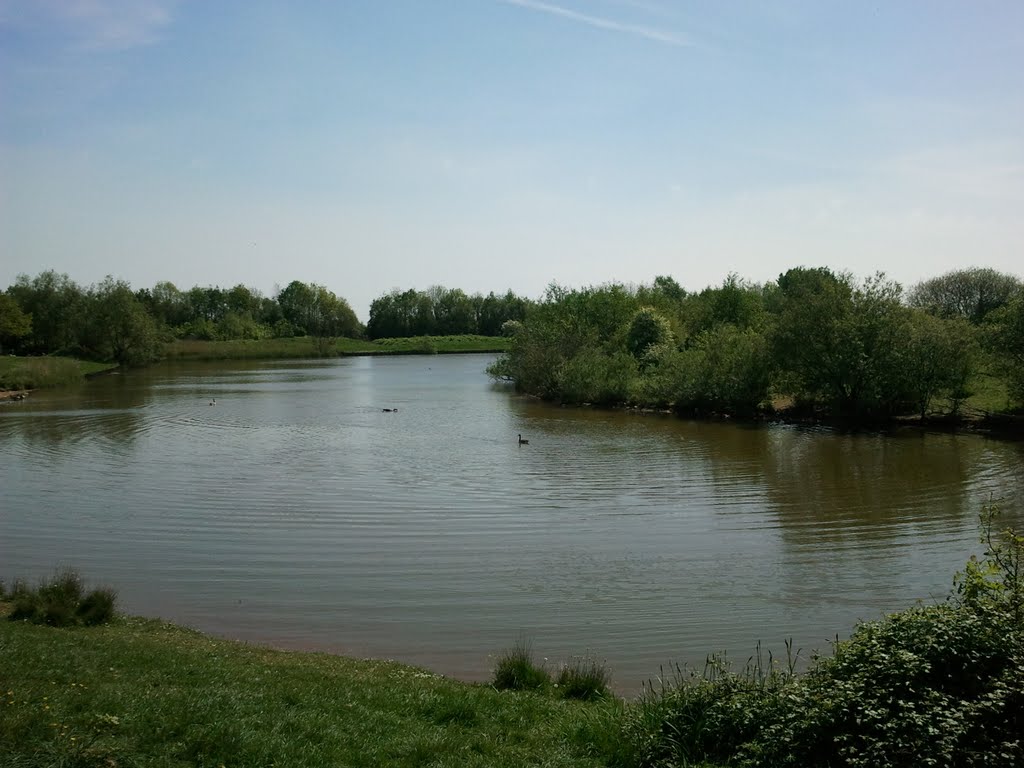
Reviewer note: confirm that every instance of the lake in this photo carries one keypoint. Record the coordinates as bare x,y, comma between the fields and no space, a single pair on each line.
297,513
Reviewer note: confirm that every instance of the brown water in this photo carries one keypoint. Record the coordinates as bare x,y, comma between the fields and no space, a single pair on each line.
295,512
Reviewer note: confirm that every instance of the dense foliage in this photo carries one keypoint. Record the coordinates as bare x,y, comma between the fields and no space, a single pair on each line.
968,293
821,341
440,311
51,314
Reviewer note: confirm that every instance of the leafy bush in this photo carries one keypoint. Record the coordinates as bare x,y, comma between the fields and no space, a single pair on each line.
583,677
932,685
517,671
594,377
62,602
97,607
647,328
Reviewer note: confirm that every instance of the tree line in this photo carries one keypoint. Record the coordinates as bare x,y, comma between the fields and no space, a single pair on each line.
109,321
820,341
440,311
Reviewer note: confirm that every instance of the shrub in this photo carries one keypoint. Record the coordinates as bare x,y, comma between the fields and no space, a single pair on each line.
931,685
699,717
62,602
594,377
425,345
517,671
583,677
97,607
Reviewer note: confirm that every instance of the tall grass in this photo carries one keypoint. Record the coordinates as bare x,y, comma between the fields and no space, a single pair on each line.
61,601
583,677
44,372
517,670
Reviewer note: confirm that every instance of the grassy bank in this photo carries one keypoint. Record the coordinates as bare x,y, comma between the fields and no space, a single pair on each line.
145,693
40,372
935,684
305,346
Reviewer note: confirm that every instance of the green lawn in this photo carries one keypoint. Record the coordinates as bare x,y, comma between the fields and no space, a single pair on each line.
141,692
990,394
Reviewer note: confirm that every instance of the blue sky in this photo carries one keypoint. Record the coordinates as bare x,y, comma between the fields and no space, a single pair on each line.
492,144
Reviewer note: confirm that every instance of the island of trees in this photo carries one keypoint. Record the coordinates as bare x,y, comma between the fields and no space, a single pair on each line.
814,342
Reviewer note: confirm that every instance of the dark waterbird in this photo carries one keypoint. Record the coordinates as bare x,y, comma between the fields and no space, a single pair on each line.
523,442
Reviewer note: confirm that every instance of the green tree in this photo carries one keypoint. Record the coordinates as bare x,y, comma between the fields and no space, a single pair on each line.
55,303
669,288
595,376
453,311
296,302
840,343
319,313
14,324
968,293
564,325
1005,341
118,327
647,328
736,370
939,360
165,303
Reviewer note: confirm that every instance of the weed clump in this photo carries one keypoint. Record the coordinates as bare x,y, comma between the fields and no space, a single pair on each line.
516,670
62,601
584,678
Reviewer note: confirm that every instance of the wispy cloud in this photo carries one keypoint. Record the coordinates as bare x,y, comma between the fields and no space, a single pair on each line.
92,24
601,22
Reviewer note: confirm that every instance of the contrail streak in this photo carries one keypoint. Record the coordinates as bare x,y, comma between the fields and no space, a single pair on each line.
600,22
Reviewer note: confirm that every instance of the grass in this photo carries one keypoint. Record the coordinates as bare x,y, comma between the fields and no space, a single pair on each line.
141,692
990,394
935,684
516,670
61,601
43,372
305,346
583,677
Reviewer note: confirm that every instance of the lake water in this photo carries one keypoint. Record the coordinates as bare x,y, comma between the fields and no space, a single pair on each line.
297,513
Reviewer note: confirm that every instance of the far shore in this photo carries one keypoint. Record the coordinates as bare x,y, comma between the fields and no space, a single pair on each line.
20,376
